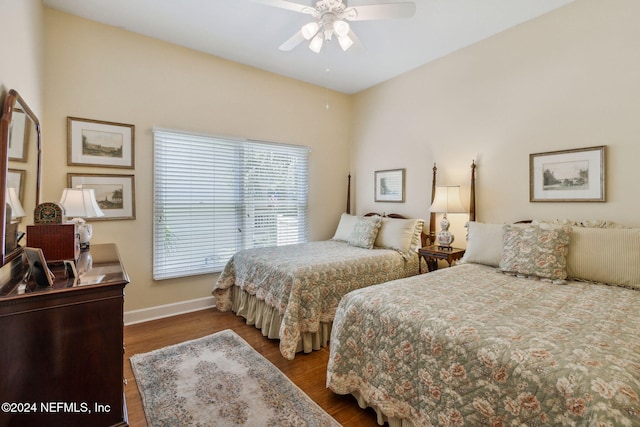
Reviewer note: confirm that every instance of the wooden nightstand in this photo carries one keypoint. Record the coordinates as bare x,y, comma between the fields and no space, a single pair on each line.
432,254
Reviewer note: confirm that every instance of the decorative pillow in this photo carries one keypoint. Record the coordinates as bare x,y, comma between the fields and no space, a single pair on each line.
593,223
396,233
537,250
605,255
345,227
485,243
365,232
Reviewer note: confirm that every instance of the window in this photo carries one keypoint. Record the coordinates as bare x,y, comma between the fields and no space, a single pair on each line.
216,196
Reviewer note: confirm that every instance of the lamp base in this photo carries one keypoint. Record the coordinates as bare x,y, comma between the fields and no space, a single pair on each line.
444,237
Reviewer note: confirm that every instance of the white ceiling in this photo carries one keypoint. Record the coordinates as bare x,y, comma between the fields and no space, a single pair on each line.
250,33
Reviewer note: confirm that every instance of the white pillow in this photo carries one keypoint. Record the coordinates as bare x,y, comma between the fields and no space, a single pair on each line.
396,233
345,227
485,243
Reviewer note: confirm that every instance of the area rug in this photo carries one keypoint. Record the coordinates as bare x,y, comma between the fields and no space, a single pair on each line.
220,380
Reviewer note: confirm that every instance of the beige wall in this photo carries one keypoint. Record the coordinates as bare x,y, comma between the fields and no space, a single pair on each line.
566,80
569,79
100,72
21,51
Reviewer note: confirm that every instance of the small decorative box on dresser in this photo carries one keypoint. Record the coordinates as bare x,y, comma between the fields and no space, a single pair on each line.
432,254
61,349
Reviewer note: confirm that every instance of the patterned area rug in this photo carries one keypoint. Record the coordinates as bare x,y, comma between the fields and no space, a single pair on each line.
220,380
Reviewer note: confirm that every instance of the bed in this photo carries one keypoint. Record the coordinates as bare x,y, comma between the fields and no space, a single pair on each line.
539,325
291,292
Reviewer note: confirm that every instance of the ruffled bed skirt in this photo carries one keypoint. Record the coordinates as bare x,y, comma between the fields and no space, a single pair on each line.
268,320
382,418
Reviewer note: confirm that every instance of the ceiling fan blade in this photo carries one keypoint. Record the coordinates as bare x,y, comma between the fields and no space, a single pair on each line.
357,44
289,5
294,41
380,11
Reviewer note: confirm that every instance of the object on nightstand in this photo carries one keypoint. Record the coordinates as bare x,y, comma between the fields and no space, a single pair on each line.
447,200
58,241
38,268
80,203
48,213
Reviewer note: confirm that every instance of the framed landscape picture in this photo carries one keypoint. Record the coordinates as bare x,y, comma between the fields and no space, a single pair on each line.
99,143
115,194
568,176
18,136
389,185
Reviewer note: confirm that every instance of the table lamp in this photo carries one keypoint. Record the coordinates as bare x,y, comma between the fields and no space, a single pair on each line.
16,207
80,203
447,200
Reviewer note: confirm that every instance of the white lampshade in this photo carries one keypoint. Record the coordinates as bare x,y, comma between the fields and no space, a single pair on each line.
341,28
80,203
16,207
447,200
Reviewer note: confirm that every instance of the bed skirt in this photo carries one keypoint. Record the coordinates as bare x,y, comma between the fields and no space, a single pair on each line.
382,418
268,320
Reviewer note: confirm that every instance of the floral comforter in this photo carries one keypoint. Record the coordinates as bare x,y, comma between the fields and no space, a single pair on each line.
305,282
468,346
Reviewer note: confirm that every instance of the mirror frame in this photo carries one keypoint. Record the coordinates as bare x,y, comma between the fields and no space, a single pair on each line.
11,100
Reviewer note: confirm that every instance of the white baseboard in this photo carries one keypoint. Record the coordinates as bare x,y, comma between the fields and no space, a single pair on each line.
167,310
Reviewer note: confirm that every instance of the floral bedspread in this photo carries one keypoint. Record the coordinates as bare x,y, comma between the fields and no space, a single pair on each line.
305,282
468,346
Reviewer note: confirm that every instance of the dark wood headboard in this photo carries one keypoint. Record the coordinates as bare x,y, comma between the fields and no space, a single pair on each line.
430,237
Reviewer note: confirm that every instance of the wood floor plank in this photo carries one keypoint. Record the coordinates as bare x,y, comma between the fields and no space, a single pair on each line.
307,371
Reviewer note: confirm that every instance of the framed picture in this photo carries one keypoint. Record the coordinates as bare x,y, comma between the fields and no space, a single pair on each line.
15,179
389,185
115,194
568,175
98,143
18,136
38,267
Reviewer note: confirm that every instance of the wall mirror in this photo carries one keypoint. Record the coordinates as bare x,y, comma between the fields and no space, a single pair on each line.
20,158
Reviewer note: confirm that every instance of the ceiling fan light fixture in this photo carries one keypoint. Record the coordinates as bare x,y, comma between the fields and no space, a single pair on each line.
316,43
331,16
345,42
341,28
309,30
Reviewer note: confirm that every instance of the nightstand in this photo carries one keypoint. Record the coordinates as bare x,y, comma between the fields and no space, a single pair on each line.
432,254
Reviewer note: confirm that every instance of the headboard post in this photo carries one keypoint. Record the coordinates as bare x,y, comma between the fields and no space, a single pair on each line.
432,216
472,193
348,211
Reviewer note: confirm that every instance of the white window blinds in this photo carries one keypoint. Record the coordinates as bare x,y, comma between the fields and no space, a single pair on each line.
216,196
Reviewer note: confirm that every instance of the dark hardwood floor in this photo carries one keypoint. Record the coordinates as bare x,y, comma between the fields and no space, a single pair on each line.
307,371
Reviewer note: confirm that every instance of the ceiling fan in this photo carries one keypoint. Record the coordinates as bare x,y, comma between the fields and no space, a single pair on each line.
331,18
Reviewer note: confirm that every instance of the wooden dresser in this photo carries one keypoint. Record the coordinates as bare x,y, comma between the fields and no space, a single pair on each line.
61,349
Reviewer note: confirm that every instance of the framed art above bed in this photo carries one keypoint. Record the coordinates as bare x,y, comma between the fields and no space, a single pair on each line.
389,185
568,175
